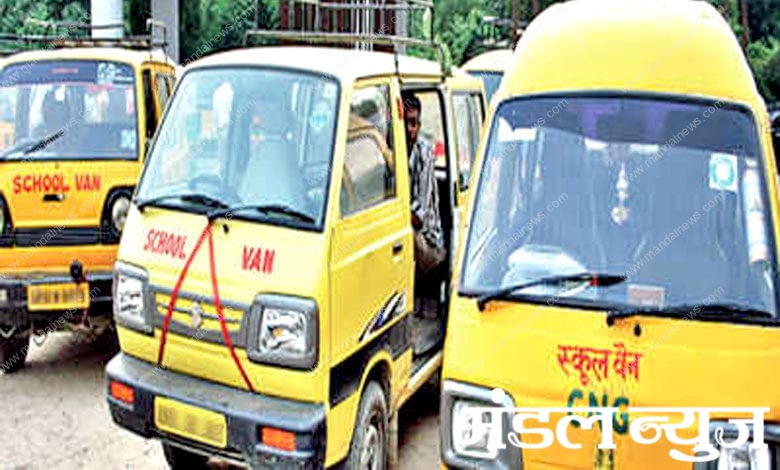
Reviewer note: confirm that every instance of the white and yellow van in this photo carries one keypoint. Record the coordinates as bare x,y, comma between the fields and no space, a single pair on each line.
75,120
265,280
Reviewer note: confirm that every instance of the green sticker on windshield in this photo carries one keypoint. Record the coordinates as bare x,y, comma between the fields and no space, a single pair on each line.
723,172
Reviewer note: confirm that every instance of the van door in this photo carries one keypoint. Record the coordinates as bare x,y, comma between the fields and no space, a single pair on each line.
372,254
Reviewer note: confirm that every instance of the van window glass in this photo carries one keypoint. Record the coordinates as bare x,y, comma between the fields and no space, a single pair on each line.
477,116
464,121
162,90
149,97
231,134
479,108
669,195
432,124
369,165
77,109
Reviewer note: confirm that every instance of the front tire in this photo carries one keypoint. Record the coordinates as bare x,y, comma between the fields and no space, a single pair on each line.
368,450
180,459
13,353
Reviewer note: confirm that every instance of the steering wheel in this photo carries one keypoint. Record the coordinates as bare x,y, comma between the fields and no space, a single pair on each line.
225,190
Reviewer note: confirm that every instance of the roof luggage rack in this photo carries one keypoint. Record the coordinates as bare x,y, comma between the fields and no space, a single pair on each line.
25,42
361,17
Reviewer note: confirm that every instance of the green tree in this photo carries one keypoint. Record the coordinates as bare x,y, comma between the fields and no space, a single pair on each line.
215,25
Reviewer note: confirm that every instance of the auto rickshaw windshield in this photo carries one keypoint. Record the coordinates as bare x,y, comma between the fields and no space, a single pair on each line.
248,137
667,194
68,109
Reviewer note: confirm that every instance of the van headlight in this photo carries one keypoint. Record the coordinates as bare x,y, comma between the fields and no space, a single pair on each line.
131,298
468,436
119,210
743,457
471,430
283,331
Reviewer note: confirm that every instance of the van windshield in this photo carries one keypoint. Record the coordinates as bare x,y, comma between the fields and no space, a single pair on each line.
68,109
668,195
491,80
244,136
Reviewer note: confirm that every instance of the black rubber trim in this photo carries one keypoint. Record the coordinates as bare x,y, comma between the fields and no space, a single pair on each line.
56,236
15,313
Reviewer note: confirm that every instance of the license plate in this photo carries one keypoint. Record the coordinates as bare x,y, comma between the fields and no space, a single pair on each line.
57,296
190,422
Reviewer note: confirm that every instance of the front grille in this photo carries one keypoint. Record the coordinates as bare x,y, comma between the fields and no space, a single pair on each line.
203,326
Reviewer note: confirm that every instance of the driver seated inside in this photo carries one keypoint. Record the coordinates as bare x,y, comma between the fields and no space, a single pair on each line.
55,113
269,171
429,249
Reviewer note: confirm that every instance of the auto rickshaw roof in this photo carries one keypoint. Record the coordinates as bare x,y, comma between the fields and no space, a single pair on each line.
664,46
346,65
491,61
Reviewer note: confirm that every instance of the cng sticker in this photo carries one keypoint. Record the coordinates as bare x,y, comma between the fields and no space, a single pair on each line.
723,172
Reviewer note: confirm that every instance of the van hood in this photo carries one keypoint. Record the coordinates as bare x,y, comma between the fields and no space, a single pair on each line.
552,356
250,258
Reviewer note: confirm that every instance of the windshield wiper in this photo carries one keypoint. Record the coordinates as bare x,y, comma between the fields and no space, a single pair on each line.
197,198
29,144
595,279
42,143
725,311
266,208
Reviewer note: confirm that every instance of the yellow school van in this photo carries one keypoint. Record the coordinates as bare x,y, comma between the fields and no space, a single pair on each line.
267,303
616,291
75,117
489,67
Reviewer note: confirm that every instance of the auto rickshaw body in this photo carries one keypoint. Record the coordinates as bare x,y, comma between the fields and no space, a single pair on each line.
620,251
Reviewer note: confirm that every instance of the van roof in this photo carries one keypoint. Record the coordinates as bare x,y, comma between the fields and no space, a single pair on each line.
491,61
663,46
346,65
134,57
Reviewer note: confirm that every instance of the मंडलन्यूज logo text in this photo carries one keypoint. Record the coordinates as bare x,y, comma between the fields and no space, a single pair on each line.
650,419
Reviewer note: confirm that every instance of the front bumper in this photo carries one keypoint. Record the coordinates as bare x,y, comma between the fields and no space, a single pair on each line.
245,413
15,313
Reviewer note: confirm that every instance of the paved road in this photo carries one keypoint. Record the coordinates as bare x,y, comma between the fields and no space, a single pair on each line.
53,415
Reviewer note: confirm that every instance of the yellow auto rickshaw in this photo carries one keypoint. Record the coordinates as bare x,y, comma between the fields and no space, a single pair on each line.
267,304
616,291
76,117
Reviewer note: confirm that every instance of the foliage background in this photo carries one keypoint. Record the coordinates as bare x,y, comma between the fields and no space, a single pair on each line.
458,23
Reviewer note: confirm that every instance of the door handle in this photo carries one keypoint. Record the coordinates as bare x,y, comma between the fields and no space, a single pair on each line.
53,197
397,247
